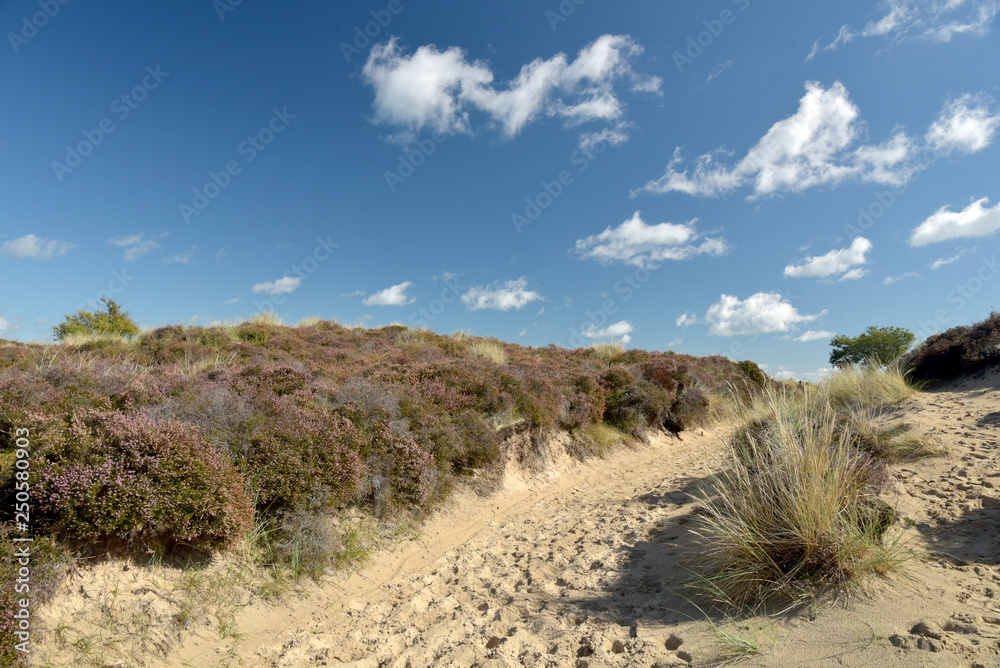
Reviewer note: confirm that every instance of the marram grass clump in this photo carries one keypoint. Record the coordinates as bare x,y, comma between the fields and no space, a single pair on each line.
795,508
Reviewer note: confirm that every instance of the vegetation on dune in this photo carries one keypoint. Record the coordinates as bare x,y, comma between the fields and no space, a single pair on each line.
196,437
956,352
796,508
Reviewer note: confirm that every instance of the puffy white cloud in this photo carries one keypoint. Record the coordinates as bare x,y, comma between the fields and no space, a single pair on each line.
813,335
391,296
278,287
31,247
975,220
500,296
621,329
933,20
810,148
438,90
966,124
760,313
819,145
636,243
835,262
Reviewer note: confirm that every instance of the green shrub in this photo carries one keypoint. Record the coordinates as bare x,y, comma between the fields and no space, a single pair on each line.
956,352
752,371
113,321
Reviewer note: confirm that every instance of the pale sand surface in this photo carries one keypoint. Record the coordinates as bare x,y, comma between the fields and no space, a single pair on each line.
579,566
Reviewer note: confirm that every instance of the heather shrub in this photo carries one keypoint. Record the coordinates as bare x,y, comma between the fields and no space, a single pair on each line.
689,409
297,454
585,404
956,352
139,481
632,405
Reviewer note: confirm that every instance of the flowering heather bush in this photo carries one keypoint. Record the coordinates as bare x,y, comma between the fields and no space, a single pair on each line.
166,438
142,482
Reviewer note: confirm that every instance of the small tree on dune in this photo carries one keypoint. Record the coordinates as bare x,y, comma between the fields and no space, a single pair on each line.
113,320
876,346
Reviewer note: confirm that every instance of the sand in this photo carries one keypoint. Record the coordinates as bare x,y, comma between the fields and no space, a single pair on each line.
580,565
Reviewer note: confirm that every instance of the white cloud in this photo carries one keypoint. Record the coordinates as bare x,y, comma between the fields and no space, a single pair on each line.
621,329
853,275
818,145
943,261
932,20
761,313
183,258
4,325
31,247
234,300
500,296
966,124
889,280
135,245
975,220
607,136
278,287
835,262
636,243
813,335
687,319
392,296
438,90
810,148
356,293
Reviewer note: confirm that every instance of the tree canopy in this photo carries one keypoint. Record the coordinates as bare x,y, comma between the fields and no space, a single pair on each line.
876,346
113,320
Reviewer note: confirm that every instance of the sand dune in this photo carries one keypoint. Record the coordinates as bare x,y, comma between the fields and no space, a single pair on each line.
580,566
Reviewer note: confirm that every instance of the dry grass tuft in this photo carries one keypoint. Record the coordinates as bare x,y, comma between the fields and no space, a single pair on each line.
489,349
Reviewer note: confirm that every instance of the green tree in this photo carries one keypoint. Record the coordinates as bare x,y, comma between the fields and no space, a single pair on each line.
111,321
877,346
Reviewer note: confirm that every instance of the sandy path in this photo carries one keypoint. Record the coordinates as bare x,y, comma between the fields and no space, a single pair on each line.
568,568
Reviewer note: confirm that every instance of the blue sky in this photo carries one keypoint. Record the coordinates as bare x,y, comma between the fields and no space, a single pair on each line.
730,177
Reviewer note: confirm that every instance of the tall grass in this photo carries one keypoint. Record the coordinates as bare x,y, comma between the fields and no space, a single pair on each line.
490,350
606,352
864,387
795,508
